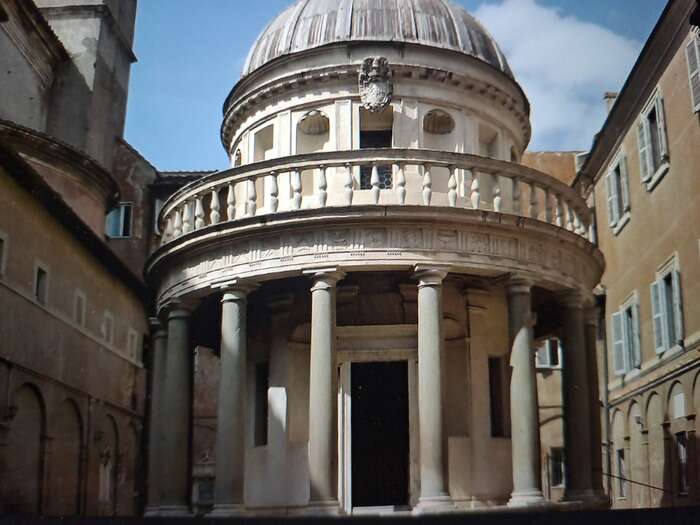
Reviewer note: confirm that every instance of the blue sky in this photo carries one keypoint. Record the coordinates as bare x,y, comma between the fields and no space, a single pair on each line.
565,54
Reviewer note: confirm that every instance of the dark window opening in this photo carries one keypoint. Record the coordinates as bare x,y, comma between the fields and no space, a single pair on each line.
376,131
621,473
652,117
262,383
41,285
497,397
682,448
556,467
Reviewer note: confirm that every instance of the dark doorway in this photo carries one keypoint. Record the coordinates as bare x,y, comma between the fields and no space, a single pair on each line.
380,449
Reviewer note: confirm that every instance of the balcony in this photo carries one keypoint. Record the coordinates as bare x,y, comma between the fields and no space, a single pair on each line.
373,210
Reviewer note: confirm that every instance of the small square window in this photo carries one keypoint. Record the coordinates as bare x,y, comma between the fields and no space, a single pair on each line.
556,467
79,308
41,285
3,254
652,142
118,222
133,344
108,328
549,354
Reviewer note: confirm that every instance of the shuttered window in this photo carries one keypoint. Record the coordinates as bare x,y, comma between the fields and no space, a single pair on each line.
652,142
667,310
692,52
617,184
627,349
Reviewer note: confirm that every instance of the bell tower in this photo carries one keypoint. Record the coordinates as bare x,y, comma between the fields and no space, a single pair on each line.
89,96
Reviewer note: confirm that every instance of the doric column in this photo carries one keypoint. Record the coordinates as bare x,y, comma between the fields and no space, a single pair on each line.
322,398
230,423
159,340
591,329
177,412
433,484
577,403
524,408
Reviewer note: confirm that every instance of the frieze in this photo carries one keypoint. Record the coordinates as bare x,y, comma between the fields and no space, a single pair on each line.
290,251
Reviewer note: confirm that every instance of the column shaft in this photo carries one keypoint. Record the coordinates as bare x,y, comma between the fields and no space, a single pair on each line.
524,407
230,427
177,411
322,446
155,428
577,404
596,407
430,341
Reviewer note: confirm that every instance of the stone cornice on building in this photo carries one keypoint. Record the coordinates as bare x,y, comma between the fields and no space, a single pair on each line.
41,146
26,177
247,95
101,11
662,45
33,29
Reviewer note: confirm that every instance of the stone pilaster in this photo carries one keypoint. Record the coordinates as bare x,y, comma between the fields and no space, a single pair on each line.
524,407
230,426
177,412
159,341
322,398
433,479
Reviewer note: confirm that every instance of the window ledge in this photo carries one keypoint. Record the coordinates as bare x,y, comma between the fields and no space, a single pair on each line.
621,223
656,178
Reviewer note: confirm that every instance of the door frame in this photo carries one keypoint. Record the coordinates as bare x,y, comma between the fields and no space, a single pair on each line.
366,344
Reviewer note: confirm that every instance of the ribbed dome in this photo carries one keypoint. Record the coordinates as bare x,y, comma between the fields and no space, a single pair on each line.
310,24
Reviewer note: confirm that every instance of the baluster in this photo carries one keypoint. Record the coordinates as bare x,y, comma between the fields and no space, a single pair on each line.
349,190
559,211
548,206
167,231
177,225
231,203
322,187
497,197
251,206
427,185
452,186
578,225
475,191
534,207
198,213
401,183
517,196
570,217
215,206
187,219
274,192
374,181
296,189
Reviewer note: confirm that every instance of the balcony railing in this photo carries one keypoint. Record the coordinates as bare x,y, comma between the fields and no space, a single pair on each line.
329,179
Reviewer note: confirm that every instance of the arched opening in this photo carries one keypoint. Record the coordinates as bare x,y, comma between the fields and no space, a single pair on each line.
637,459
108,448
24,454
376,131
237,158
620,460
438,127
65,460
657,452
126,485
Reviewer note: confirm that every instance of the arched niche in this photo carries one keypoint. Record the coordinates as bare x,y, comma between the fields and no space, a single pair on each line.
438,122
65,460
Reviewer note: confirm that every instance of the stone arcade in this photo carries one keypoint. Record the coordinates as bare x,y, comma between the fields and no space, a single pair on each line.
376,244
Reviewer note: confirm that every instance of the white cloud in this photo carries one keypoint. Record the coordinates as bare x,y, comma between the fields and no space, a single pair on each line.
564,66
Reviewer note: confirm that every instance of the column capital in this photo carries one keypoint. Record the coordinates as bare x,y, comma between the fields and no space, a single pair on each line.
324,278
158,329
234,289
178,309
430,275
519,284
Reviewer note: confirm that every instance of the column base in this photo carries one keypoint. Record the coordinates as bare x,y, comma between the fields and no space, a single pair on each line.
227,510
587,498
434,504
533,498
323,508
174,511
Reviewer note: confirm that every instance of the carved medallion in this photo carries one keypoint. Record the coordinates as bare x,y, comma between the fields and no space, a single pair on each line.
376,87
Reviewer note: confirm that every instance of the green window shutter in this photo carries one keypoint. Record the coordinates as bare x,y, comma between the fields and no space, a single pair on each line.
661,124
619,364
658,310
613,211
692,52
677,306
636,350
644,149
624,185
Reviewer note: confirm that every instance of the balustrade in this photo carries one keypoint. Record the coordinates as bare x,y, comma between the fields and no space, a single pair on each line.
418,177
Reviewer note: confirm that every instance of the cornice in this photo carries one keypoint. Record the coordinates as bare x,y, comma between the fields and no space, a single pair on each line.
244,100
41,146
